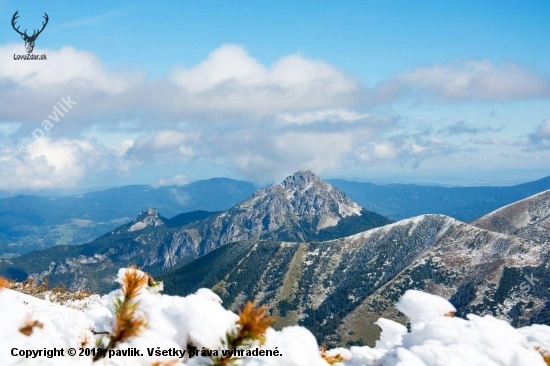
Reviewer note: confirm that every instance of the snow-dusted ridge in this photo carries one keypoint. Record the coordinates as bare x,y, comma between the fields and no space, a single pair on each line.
355,277
411,221
530,198
528,218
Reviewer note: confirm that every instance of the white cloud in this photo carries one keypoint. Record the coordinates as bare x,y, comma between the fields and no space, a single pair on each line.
166,142
262,121
467,80
461,127
30,89
48,164
229,85
404,149
64,66
177,180
269,154
328,115
8,129
541,137
384,150
492,141
542,132
161,140
230,81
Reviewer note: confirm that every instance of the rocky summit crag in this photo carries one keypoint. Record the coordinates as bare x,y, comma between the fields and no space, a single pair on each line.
302,208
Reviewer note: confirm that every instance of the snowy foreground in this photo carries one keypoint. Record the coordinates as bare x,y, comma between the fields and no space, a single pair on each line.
137,325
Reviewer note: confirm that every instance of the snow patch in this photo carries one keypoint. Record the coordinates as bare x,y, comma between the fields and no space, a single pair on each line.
327,221
349,209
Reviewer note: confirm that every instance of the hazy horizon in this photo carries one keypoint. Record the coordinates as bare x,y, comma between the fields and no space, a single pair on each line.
511,178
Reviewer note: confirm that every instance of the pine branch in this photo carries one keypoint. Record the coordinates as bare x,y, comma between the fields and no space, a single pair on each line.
251,326
127,323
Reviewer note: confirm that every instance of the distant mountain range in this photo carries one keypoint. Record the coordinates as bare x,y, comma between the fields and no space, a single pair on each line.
402,201
302,208
31,222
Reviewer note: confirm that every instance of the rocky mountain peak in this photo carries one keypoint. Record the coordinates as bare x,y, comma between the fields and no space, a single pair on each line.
303,195
301,180
149,217
310,195
303,203
305,209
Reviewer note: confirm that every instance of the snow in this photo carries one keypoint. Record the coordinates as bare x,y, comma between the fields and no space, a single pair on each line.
349,209
249,204
413,222
412,305
199,320
62,327
436,338
537,335
296,344
516,203
327,221
138,226
391,335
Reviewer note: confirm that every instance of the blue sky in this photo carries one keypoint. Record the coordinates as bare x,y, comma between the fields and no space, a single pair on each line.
370,39
456,92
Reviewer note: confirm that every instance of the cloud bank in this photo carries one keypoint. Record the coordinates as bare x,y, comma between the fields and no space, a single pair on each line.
261,121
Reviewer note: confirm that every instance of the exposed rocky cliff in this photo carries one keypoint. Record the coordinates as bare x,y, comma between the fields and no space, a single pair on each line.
149,217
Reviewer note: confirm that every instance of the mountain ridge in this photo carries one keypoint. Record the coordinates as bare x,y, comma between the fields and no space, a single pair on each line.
276,248
330,286
302,208
528,218
35,222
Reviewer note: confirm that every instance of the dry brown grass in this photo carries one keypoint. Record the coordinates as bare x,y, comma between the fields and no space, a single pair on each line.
166,363
58,294
331,360
28,326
